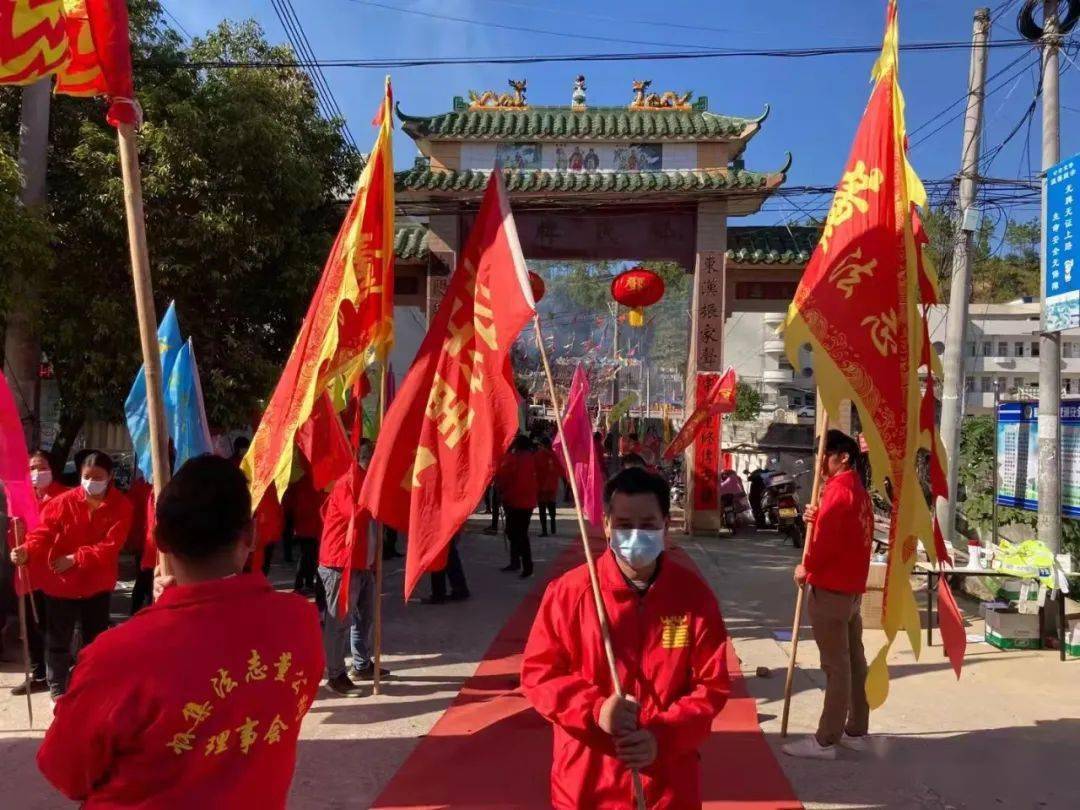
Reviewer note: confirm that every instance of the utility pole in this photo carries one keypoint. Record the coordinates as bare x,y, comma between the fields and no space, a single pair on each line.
952,398
1050,342
22,350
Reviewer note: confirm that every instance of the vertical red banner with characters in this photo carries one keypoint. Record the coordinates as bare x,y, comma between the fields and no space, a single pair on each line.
707,452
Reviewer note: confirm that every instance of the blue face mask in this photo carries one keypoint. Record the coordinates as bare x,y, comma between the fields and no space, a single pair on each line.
638,547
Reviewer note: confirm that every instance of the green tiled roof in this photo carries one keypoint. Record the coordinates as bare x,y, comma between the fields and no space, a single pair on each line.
775,244
563,123
410,241
423,178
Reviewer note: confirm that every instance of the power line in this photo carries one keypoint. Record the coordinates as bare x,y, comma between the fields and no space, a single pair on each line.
179,24
294,31
724,53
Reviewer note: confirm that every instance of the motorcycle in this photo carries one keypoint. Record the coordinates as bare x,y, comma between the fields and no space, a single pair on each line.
782,509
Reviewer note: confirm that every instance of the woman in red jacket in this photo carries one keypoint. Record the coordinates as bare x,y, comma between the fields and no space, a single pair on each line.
516,480
45,489
548,476
72,556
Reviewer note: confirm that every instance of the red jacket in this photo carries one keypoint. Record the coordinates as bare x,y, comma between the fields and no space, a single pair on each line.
51,491
839,555
516,480
303,504
95,538
195,702
669,645
333,551
548,474
148,558
140,494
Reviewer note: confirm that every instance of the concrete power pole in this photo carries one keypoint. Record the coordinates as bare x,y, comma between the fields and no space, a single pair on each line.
1050,342
22,350
952,398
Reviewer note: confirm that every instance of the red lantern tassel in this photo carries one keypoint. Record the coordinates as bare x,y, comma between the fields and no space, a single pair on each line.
637,316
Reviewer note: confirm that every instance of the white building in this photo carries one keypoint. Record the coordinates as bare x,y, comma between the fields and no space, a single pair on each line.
753,347
1003,347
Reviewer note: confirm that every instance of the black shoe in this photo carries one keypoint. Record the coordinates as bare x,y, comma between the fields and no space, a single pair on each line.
343,686
526,574
368,673
490,530
459,596
36,685
432,600
511,567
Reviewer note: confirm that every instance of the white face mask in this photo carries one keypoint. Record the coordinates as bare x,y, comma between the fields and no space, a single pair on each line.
93,488
40,478
638,547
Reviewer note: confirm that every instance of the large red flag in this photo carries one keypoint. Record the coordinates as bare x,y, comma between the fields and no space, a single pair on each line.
457,410
861,306
721,399
323,442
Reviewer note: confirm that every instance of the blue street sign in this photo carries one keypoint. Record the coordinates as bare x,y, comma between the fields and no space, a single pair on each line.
1018,456
1061,247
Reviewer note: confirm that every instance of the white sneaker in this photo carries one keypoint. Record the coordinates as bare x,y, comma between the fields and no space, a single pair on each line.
809,748
854,743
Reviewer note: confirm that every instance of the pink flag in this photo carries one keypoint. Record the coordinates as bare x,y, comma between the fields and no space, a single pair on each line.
15,463
588,470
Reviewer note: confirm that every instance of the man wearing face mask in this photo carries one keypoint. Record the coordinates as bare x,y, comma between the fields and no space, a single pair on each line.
836,566
197,700
669,642
72,557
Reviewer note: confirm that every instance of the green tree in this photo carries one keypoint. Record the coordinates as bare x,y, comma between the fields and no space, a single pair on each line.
240,180
747,402
24,235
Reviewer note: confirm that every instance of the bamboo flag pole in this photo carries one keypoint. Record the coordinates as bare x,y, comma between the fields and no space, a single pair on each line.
823,425
20,534
377,677
601,613
144,308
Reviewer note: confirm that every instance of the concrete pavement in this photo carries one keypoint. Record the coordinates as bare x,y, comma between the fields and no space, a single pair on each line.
1007,735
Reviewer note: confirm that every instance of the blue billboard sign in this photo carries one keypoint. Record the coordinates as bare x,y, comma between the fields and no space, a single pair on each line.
1018,456
1061,248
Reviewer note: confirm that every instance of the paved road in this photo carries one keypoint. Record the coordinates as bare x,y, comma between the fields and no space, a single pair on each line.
1008,735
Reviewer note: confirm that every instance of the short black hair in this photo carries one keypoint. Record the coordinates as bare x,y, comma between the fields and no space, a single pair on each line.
96,458
522,442
241,443
836,441
39,453
638,481
631,460
364,443
204,509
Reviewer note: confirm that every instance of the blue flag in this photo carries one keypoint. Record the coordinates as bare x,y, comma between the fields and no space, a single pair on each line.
135,406
185,408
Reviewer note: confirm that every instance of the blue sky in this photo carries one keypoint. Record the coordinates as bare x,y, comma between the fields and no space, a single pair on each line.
815,103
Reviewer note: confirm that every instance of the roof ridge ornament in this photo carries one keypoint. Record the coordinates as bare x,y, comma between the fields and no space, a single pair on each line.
667,101
577,98
490,100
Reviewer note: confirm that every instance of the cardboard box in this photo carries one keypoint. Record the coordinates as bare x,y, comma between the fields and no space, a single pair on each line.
875,579
1008,590
1011,630
873,604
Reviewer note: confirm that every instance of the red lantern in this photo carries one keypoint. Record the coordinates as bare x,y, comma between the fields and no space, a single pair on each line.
536,284
637,288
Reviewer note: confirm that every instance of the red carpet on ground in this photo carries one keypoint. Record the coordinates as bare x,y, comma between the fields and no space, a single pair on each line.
491,750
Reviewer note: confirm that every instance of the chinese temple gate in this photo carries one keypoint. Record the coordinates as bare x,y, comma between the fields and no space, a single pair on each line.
656,179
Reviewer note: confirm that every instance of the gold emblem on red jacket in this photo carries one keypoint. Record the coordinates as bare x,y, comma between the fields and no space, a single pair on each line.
676,633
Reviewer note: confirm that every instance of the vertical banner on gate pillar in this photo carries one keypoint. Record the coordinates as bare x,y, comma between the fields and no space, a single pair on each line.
707,452
710,314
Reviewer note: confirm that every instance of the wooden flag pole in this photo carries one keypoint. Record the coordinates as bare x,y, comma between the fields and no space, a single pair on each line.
144,308
376,687
20,534
823,425
594,580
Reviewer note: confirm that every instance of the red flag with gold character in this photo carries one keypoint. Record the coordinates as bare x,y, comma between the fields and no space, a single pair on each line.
720,399
457,409
861,307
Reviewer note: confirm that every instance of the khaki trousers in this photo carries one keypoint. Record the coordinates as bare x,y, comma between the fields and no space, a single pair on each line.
838,632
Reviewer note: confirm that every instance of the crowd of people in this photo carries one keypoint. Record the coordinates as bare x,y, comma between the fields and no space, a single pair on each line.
136,720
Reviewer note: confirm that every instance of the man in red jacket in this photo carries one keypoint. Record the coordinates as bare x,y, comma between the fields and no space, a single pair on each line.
340,514
197,700
548,475
835,567
669,643
72,557
517,484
